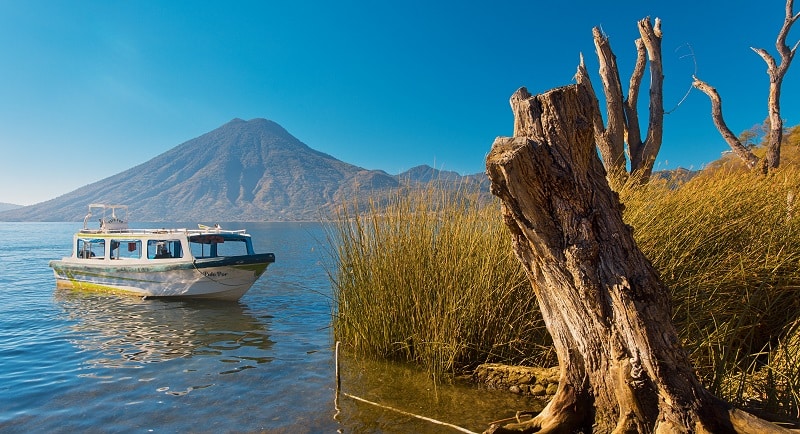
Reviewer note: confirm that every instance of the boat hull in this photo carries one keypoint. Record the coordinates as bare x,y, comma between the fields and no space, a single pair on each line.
221,278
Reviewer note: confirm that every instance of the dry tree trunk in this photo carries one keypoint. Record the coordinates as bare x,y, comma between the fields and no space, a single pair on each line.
622,368
750,160
643,155
622,113
776,73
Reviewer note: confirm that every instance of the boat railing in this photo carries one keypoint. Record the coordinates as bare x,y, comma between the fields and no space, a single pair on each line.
109,220
134,231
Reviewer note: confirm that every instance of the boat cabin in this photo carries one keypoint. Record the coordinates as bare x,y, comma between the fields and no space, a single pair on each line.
114,240
141,244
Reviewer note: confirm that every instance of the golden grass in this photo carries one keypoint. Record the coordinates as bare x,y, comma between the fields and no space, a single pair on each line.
728,245
430,278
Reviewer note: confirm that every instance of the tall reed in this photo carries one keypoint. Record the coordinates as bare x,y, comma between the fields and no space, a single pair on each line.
728,245
430,277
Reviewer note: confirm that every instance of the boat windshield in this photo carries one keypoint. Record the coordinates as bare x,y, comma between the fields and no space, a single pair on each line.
214,245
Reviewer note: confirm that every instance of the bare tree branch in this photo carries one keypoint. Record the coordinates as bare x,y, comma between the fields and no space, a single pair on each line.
633,135
622,113
716,114
776,73
599,128
643,153
651,35
613,137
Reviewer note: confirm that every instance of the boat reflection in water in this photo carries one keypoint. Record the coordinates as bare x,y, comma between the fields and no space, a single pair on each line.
130,332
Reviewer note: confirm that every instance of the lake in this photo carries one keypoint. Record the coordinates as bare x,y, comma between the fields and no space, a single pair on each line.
82,362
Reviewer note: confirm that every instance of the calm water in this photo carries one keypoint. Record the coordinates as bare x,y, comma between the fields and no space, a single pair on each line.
78,362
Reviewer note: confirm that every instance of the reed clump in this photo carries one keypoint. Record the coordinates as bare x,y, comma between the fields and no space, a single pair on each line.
727,243
429,276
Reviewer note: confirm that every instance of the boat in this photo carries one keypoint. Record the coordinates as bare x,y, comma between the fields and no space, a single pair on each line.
204,263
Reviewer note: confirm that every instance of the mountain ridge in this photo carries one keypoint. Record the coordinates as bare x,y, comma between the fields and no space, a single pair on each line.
241,171
4,206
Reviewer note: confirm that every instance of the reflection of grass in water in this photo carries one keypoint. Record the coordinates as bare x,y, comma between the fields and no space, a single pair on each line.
405,387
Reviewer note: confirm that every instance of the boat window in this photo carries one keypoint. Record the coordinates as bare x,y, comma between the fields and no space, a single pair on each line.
162,249
210,246
90,248
126,249
232,248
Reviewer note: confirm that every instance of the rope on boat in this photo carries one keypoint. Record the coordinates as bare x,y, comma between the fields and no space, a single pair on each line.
386,407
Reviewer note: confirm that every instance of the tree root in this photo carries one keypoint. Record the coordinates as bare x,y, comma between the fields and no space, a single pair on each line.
746,423
564,414
543,423
733,420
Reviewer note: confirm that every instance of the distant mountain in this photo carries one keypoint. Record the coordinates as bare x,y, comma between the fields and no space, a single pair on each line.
242,171
425,174
677,176
7,206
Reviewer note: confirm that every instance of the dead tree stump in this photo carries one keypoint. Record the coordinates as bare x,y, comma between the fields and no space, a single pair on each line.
622,368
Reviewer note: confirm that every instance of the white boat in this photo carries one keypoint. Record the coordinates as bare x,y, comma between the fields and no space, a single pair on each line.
207,263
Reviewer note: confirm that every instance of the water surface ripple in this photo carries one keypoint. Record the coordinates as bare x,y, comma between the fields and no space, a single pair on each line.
86,362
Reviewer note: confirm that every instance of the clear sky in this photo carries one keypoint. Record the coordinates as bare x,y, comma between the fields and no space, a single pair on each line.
91,88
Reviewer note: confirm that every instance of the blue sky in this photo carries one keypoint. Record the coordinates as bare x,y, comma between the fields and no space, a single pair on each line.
91,88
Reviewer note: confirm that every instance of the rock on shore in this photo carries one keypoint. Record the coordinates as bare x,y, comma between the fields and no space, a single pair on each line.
524,380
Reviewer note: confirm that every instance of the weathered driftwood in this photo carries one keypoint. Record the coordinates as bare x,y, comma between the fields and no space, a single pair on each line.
622,368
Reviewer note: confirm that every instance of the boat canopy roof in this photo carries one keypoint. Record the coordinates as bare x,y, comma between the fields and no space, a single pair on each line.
218,237
114,220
